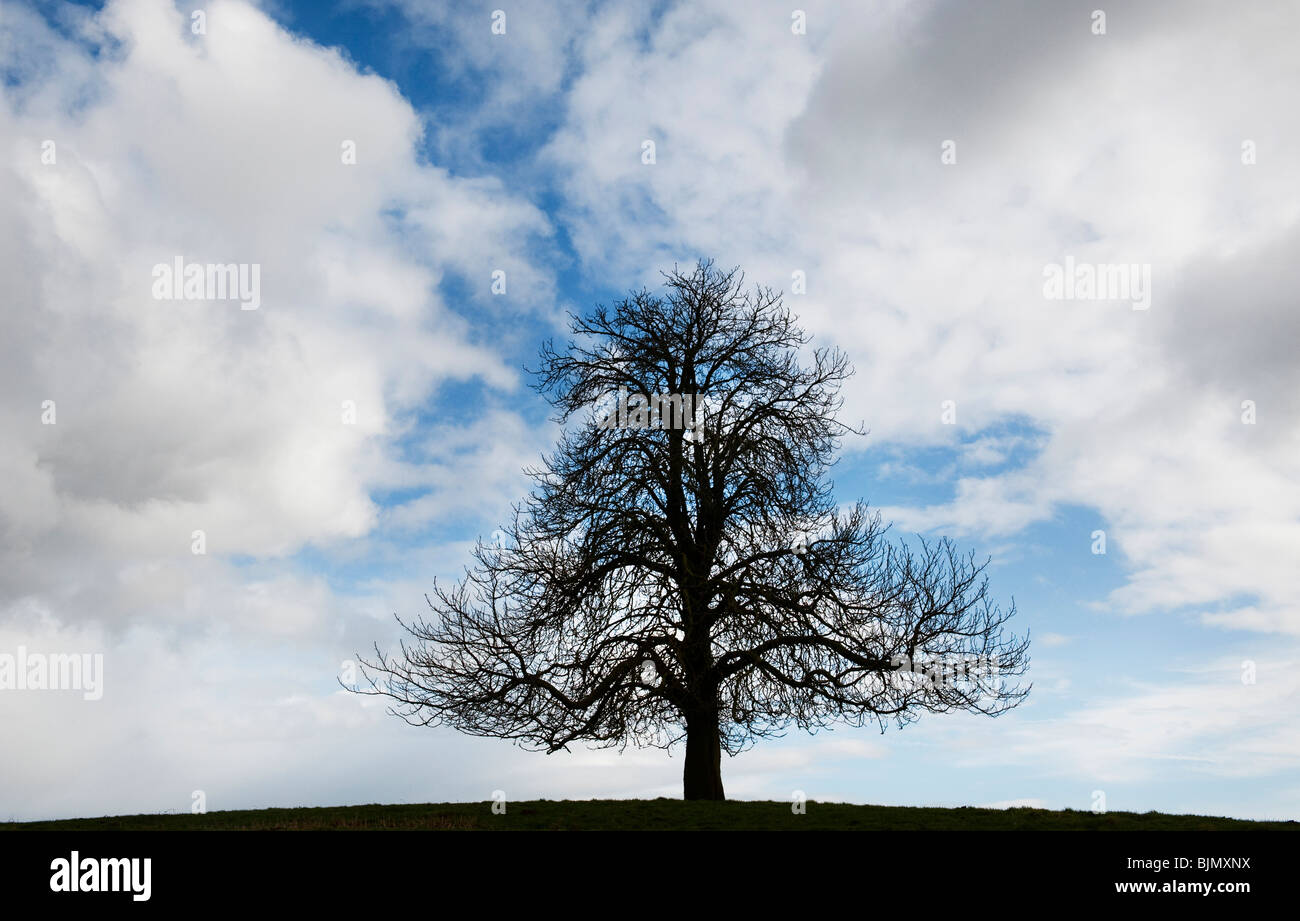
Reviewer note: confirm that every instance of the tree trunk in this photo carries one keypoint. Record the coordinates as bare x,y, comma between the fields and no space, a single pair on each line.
702,775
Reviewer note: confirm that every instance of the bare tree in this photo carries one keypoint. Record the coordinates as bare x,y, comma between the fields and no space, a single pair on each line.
698,582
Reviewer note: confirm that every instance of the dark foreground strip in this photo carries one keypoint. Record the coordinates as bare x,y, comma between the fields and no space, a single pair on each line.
638,872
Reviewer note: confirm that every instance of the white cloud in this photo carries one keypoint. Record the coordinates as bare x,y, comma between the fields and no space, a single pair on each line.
1053,640
174,416
822,153
1208,723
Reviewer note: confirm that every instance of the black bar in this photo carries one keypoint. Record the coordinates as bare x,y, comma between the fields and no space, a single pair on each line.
922,871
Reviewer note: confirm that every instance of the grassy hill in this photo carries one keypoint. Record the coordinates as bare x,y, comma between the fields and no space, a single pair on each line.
659,814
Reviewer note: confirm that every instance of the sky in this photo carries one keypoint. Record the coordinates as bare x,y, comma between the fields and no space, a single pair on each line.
909,173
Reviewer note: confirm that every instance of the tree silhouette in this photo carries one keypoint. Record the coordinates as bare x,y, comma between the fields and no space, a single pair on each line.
696,581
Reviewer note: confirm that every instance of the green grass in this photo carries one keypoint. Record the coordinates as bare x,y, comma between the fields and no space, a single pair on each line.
658,814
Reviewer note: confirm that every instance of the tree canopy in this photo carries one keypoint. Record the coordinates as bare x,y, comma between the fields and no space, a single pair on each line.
691,577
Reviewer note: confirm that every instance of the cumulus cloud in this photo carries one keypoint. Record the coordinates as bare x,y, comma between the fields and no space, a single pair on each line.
176,416
821,153
130,142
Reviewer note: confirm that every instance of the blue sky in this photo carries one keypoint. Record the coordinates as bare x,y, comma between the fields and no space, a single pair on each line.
777,150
